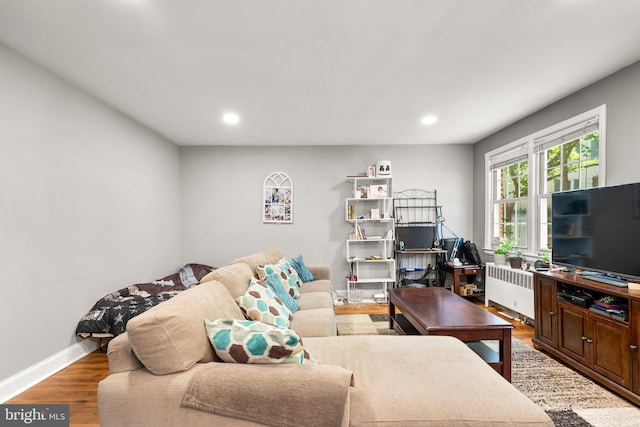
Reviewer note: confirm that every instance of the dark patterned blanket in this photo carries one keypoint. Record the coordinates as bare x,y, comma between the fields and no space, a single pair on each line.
112,312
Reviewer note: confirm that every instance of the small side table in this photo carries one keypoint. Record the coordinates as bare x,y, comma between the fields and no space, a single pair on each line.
463,270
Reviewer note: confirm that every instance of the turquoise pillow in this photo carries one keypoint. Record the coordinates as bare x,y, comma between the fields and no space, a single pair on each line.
274,283
298,264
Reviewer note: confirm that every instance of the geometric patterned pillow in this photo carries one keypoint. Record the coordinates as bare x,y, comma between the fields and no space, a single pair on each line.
260,303
247,341
274,283
288,276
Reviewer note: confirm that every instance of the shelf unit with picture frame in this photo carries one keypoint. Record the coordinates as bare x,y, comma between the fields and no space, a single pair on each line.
370,243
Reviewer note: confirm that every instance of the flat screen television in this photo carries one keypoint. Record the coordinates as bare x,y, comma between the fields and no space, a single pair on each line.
596,230
415,237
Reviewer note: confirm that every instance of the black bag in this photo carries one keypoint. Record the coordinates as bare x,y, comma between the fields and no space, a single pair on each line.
422,282
470,253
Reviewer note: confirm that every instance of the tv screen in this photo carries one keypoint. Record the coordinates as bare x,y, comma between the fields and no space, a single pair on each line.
596,230
416,237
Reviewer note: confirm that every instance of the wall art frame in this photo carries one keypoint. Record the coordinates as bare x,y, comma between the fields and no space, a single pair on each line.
277,199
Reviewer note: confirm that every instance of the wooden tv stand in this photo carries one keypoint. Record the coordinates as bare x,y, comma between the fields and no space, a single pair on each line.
603,348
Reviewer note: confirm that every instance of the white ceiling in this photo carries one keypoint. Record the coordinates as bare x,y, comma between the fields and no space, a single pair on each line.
327,72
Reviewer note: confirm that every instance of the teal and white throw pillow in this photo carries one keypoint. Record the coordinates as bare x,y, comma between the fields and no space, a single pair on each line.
287,274
248,341
260,303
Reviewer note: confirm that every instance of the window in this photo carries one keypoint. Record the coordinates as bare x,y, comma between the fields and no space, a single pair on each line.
570,164
511,199
523,175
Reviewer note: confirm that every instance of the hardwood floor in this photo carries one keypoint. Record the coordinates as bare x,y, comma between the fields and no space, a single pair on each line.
77,384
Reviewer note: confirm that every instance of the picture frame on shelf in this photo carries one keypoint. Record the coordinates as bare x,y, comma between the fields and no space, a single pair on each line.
371,171
362,192
379,191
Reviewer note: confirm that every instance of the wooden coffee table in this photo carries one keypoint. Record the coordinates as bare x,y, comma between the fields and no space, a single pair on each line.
438,311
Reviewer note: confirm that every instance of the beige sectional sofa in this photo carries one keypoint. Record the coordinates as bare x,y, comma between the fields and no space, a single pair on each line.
164,370
315,318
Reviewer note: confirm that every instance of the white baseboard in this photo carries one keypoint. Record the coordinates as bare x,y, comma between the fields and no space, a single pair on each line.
31,376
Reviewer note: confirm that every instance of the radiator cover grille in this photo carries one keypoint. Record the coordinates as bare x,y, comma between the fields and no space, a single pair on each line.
510,288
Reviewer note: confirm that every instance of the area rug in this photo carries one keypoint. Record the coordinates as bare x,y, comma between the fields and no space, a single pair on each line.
568,397
364,324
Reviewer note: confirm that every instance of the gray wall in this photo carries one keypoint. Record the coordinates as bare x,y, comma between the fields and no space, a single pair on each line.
90,203
620,92
222,195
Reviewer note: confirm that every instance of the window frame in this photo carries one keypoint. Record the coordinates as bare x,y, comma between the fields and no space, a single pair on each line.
500,203
533,147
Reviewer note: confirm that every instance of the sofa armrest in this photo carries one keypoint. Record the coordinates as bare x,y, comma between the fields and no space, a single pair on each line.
320,272
247,392
121,356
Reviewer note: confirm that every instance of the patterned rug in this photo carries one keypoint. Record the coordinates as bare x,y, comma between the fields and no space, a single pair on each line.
569,398
364,324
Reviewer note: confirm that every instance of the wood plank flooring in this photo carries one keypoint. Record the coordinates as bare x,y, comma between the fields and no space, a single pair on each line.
77,384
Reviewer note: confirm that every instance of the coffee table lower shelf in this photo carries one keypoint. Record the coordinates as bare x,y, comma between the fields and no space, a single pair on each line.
403,327
487,354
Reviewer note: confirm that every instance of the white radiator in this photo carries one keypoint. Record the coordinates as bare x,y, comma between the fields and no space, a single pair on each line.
510,288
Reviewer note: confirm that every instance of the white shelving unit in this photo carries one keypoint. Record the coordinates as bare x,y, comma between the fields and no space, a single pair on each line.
370,244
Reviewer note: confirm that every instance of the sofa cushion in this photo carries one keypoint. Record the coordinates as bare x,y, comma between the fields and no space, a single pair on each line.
303,272
267,256
274,283
317,322
121,356
442,382
317,286
320,272
260,303
287,274
248,341
311,300
235,278
171,337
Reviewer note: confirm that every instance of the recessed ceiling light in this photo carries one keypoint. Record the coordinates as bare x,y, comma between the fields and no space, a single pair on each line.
428,120
230,118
